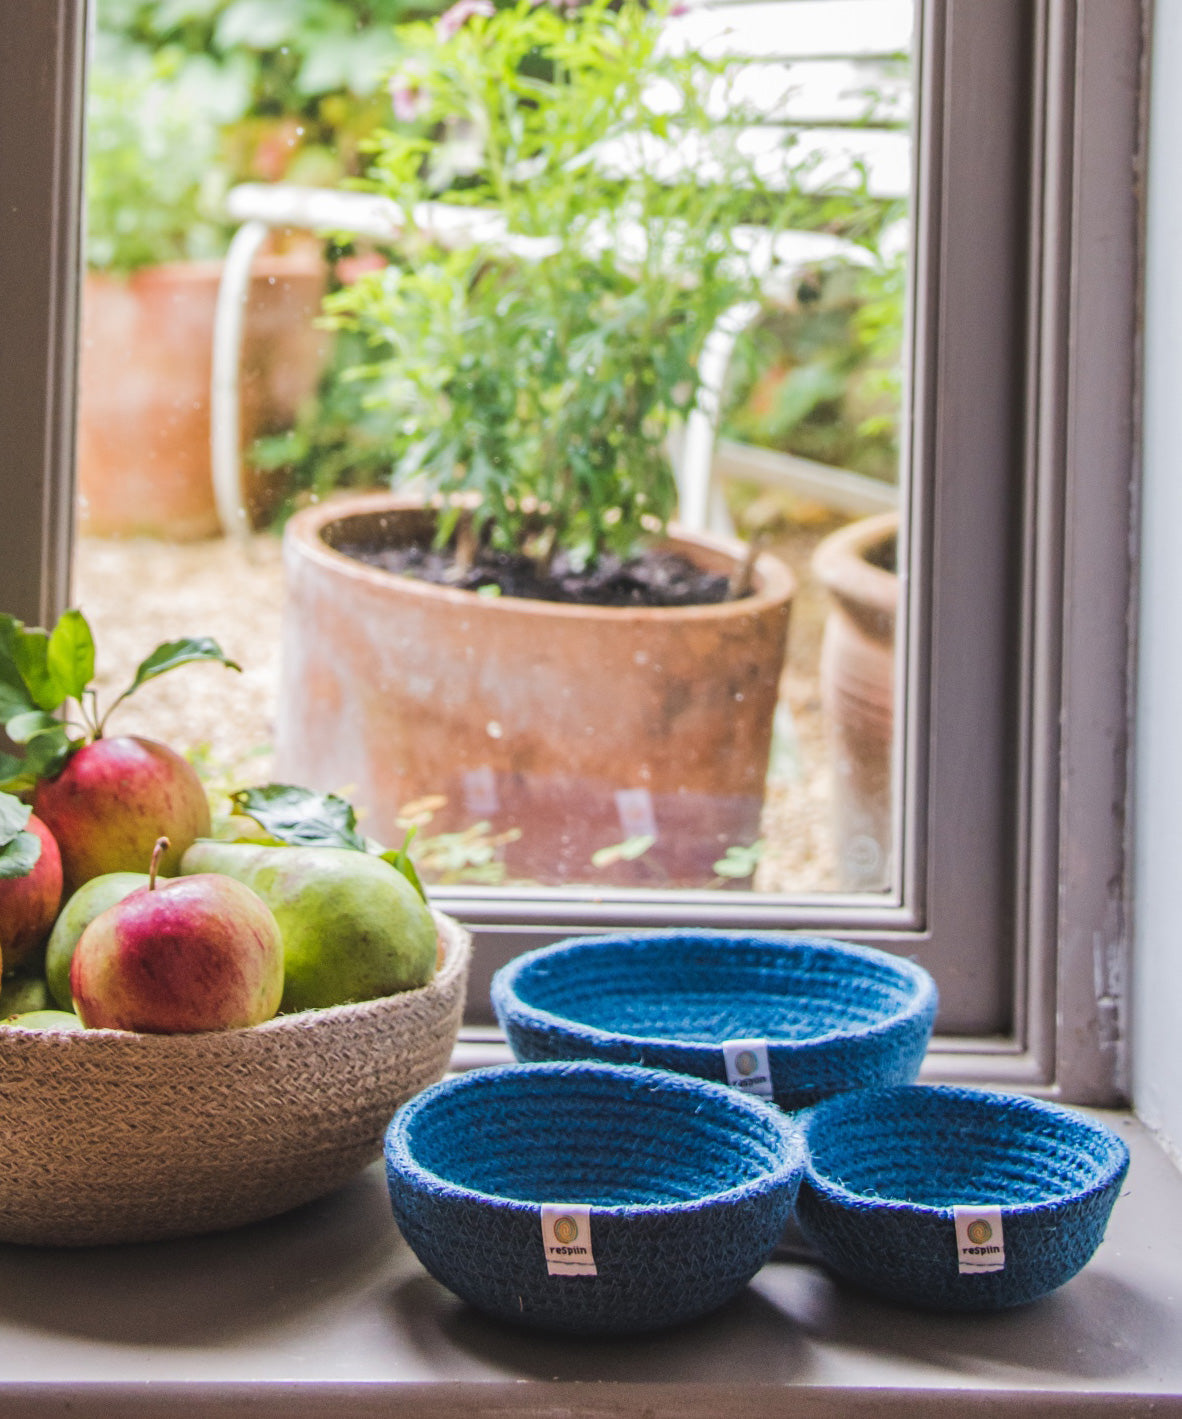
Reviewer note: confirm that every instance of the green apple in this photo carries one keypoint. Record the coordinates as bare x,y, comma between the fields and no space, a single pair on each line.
87,902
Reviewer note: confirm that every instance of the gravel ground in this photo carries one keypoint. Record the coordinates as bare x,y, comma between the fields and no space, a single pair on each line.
137,593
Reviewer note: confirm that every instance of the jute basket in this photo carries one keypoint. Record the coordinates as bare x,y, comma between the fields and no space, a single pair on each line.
115,1137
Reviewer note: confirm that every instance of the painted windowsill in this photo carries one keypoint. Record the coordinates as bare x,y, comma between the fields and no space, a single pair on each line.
326,1312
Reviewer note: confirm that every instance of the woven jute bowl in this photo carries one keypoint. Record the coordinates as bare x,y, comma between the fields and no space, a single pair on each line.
107,1136
666,1194
832,1016
956,1199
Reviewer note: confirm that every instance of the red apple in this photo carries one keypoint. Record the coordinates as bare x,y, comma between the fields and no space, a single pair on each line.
29,904
112,801
178,957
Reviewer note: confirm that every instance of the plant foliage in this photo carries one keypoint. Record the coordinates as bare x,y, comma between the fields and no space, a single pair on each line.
534,384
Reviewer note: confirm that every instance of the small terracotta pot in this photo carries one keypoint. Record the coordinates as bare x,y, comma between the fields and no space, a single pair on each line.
581,727
143,411
856,565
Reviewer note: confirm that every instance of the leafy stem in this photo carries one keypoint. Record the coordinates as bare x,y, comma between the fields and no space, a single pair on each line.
42,671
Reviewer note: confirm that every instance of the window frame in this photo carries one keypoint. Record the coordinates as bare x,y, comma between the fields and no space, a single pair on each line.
1029,866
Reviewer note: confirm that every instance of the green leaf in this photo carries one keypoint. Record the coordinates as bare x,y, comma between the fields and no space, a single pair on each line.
299,816
14,693
399,859
47,754
13,816
171,654
627,851
11,772
20,856
71,653
31,650
22,728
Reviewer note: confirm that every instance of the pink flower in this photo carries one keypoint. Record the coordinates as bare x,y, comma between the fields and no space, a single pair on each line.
453,20
408,93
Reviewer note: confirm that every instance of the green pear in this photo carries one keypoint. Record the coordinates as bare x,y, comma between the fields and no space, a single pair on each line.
20,994
87,902
353,927
44,1020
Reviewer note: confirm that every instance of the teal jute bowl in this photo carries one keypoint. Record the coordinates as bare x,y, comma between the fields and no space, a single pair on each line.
591,1198
831,1016
956,1199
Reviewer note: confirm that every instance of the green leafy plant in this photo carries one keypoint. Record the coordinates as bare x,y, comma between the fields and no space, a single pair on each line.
153,186
534,385
44,673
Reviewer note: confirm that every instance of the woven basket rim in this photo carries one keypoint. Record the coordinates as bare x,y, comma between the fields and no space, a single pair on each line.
789,1168
453,936
837,1193
507,1002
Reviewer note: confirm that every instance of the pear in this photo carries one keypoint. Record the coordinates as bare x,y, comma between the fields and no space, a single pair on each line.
87,902
353,927
44,1020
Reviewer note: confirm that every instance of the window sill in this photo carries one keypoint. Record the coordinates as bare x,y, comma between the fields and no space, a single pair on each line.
326,1311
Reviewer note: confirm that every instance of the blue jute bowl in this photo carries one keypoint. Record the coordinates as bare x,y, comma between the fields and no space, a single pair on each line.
888,1167
833,1016
689,1186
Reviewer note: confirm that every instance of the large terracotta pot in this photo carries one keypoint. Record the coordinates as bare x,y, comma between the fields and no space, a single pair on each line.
581,727
143,412
856,565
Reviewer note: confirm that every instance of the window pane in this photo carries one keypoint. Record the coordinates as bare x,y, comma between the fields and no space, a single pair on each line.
738,746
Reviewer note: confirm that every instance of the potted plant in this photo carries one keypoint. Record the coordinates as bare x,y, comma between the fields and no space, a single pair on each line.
154,239
525,637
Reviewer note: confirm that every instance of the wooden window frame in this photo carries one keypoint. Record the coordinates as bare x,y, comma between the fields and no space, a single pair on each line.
1014,769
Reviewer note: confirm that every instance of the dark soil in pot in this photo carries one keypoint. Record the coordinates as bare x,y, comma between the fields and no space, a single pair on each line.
654,578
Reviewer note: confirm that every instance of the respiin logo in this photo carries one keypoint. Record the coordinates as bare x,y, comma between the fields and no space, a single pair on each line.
566,1229
746,1062
979,1231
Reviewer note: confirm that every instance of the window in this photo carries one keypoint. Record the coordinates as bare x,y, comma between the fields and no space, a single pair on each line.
1012,848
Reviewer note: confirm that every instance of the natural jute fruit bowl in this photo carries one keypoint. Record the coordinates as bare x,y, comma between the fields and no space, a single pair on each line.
107,1136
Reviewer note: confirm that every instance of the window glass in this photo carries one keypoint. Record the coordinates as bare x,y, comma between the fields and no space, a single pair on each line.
545,709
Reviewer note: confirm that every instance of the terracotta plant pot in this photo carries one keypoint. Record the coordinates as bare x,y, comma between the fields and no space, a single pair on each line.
143,411
856,566
581,727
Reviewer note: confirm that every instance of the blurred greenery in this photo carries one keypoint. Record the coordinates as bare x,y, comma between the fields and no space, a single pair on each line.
188,97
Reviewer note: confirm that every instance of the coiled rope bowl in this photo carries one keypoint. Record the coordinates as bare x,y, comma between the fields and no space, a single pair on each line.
888,1166
108,1136
834,1016
689,1185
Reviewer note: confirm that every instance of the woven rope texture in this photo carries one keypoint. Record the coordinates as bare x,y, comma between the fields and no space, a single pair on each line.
888,1166
690,1187
108,1136
836,1016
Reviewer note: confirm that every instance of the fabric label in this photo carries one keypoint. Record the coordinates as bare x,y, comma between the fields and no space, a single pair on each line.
980,1245
747,1066
566,1236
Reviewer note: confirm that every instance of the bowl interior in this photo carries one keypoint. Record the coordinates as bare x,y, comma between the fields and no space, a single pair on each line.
944,1148
576,1134
706,990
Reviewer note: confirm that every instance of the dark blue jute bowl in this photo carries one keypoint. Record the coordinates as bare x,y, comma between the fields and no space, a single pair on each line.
889,1169
689,1186
833,1016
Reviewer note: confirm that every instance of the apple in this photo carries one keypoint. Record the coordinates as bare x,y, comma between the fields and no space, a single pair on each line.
87,902
29,904
111,802
179,957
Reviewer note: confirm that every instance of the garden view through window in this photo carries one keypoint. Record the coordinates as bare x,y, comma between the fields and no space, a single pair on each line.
534,283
